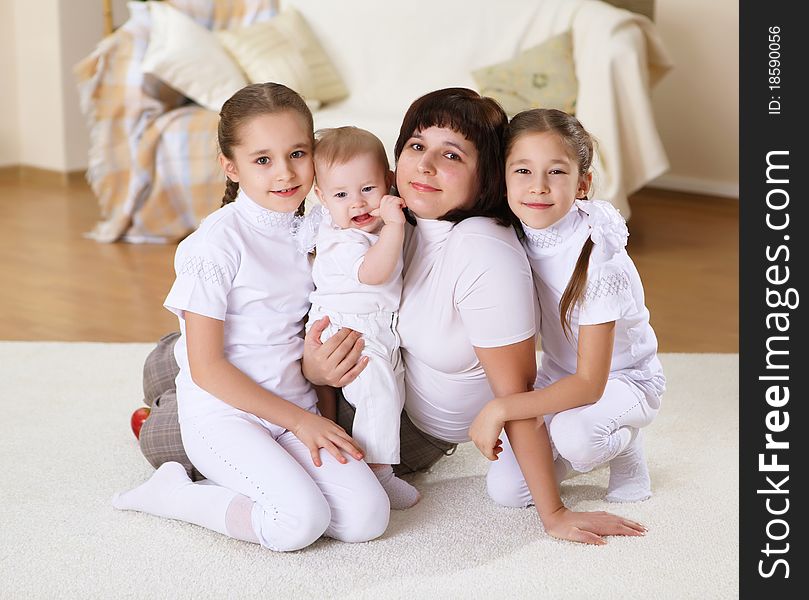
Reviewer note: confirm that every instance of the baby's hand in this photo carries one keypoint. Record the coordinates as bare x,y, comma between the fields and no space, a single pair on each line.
390,209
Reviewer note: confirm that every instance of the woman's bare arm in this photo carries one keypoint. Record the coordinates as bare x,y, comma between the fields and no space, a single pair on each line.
584,387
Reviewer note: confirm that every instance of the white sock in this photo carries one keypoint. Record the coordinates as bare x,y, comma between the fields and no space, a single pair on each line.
629,475
402,495
169,493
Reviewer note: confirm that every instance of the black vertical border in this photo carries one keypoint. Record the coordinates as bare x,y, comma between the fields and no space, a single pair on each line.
760,133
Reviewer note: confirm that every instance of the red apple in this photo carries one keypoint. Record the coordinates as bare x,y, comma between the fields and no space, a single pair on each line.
138,417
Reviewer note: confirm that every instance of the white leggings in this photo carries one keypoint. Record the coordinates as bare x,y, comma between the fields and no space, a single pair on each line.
294,502
587,437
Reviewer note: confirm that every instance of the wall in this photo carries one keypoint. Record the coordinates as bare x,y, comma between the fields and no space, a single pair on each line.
697,104
9,129
39,84
40,121
81,29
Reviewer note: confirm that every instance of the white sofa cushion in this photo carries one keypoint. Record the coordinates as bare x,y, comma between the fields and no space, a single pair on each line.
285,50
542,76
190,59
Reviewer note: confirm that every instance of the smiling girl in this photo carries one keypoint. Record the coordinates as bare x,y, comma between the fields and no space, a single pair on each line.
279,474
600,381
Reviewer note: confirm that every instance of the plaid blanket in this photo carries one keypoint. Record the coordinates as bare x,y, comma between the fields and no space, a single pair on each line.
152,162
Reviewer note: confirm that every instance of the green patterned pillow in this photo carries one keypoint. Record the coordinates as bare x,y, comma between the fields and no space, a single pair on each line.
540,77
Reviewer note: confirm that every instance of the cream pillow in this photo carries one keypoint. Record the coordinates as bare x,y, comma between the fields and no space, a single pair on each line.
190,58
543,76
285,50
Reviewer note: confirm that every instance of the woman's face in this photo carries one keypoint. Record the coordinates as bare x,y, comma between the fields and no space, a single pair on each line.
437,172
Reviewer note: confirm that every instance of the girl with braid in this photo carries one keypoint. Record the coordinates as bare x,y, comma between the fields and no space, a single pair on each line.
278,473
600,381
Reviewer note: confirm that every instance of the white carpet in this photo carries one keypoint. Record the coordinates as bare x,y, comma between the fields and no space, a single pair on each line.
66,447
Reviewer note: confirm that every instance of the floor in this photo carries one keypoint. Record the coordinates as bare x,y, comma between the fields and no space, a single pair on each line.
60,286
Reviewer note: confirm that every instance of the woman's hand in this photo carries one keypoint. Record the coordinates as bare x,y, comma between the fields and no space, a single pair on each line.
317,432
338,361
485,430
588,527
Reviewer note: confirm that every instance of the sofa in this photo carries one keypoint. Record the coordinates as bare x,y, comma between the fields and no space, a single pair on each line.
153,164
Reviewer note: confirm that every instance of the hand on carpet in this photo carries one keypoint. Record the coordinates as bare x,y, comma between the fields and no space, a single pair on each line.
589,527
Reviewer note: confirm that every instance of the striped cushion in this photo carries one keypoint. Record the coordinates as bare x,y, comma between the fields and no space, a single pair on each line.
285,50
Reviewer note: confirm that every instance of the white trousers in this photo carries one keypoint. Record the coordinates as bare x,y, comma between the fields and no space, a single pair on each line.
378,392
294,502
586,437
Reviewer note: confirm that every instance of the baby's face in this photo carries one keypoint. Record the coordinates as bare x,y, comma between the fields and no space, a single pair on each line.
350,191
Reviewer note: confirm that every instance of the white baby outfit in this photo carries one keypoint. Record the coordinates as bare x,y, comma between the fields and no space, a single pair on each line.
246,267
466,285
377,393
591,435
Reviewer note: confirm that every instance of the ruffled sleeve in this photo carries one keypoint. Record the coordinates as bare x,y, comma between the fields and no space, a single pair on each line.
608,295
205,274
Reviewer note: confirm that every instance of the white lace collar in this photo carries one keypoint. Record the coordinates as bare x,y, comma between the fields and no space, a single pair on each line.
548,240
264,218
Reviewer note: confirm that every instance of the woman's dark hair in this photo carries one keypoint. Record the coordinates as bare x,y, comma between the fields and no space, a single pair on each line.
483,122
580,148
251,101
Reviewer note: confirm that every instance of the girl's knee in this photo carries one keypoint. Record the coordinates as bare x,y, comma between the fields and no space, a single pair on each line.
508,489
580,441
365,518
292,527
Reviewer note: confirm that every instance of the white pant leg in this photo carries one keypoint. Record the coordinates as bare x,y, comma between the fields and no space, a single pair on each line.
589,436
360,508
377,393
585,436
238,451
505,482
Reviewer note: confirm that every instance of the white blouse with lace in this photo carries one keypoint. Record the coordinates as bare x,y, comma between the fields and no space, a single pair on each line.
614,293
247,266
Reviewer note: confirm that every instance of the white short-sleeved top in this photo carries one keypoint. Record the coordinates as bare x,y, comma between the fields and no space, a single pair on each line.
244,267
465,285
614,293
340,253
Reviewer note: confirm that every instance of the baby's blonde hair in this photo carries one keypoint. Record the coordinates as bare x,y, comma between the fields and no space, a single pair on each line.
338,145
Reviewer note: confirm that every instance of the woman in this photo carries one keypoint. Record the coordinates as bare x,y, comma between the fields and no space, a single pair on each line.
466,319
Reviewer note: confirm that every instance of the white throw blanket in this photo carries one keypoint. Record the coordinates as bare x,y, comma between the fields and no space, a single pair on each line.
614,102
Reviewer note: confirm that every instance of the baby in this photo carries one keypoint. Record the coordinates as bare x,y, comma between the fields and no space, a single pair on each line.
358,283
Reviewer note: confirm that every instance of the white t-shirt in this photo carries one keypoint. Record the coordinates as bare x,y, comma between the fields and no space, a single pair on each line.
244,267
467,284
614,293
340,253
